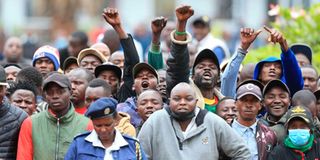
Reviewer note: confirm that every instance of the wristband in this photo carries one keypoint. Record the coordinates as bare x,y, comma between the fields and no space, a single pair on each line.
180,33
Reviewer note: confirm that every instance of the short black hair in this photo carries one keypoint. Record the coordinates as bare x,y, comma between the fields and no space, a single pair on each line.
30,75
82,36
305,97
25,86
224,99
97,82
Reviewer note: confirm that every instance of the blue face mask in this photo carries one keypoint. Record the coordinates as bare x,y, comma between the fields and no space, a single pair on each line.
299,137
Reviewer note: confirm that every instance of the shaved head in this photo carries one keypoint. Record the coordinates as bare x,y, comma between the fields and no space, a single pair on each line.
183,87
103,48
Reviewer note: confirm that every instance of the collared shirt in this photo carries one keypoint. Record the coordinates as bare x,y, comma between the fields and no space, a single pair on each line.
248,135
118,142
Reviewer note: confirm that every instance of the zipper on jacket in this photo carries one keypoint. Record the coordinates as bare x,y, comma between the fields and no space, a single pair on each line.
57,139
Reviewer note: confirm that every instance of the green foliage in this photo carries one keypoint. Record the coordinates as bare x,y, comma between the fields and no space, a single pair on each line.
302,29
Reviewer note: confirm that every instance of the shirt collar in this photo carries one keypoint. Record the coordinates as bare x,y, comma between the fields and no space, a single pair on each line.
243,128
118,142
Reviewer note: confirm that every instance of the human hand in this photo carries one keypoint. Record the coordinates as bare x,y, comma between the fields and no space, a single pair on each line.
247,36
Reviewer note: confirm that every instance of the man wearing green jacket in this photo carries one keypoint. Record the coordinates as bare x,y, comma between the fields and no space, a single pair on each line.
48,134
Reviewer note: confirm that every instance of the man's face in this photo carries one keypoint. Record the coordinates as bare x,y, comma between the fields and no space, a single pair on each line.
302,59
90,62
13,50
11,72
182,100
94,93
200,31
148,103
2,92
248,107
227,110
270,71
57,97
310,79
144,80
71,67
75,46
206,74
111,78
276,101
104,128
117,59
79,84
24,99
44,65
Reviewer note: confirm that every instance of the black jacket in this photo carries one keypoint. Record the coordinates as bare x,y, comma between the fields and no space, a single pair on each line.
131,58
281,152
178,66
11,118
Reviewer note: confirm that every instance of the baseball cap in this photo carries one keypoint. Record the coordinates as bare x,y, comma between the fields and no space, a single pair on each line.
140,66
108,67
204,20
58,78
206,54
300,112
3,78
274,83
304,49
250,87
70,60
103,107
91,51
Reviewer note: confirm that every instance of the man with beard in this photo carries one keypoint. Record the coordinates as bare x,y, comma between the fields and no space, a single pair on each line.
205,71
13,53
259,138
184,131
79,79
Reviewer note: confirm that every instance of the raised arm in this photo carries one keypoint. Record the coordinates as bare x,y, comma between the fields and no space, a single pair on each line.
131,57
178,60
155,58
229,76
291,70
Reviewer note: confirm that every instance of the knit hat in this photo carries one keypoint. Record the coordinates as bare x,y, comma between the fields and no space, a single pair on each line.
47,52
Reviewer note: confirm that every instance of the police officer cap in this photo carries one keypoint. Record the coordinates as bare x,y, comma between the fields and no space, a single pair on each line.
103,107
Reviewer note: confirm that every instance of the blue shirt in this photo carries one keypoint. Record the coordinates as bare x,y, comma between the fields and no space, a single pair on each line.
248,134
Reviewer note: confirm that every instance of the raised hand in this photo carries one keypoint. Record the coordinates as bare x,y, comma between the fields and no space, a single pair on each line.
111,16
247,36
158,24
277,37
184,12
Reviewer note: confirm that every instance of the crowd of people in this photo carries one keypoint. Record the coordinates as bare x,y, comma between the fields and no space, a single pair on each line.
191,99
